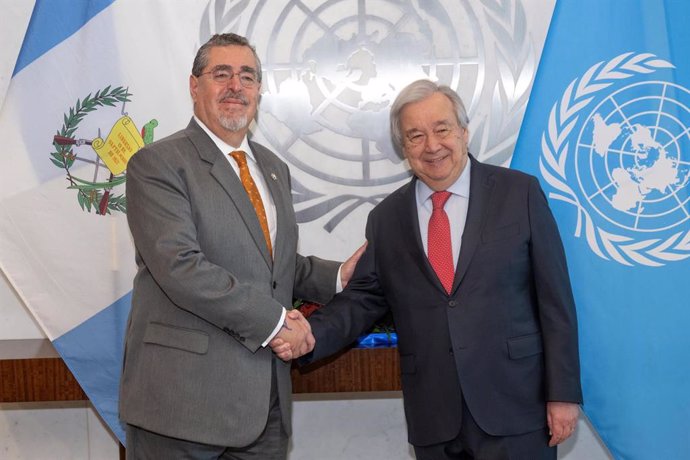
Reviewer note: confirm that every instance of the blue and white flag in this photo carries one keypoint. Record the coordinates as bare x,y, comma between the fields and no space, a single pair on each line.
607,131
94,81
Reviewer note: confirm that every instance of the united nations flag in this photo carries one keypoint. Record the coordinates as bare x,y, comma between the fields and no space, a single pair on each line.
607,132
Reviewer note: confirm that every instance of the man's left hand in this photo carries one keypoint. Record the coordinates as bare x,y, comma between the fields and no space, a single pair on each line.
348,267
562,420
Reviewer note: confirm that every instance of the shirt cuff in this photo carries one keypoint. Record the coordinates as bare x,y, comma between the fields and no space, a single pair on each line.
277,328
338,281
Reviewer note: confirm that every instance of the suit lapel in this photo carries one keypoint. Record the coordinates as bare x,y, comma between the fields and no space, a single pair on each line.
409,213
282,201
413,240
222,172
481,186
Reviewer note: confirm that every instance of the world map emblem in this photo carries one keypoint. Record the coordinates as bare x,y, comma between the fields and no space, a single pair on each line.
629,140
331,70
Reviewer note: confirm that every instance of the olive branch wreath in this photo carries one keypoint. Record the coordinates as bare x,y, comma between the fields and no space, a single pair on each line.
223,20
226,15
90,194
555,146
495,134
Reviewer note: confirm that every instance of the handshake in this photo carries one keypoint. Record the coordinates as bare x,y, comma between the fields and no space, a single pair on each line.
294,338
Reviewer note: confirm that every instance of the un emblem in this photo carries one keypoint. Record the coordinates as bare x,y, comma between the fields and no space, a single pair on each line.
631,160
629,157
331,70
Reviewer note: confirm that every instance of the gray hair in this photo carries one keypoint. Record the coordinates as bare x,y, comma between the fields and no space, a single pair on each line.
230,39
415,92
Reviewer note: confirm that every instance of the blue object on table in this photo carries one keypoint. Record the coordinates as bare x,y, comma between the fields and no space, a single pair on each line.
377,340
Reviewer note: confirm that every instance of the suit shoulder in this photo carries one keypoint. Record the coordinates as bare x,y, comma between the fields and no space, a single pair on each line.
166,142
265,152
502,173
393,201
167,147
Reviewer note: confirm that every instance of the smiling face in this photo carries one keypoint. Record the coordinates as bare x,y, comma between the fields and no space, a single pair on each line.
226,108
433,142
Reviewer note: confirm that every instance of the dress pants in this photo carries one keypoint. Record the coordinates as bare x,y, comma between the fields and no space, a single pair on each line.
473,443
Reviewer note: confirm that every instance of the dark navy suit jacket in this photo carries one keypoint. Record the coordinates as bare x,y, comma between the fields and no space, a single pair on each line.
504,340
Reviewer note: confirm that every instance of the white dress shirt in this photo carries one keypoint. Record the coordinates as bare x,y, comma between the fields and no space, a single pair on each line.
254,170
456,208
269,204
266,197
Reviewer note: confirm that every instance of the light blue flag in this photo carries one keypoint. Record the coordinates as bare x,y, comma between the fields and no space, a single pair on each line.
607,131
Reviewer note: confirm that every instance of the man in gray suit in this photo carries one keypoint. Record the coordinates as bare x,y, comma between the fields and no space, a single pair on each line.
216,247
468,258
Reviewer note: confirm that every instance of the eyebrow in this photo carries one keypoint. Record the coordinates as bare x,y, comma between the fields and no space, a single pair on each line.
412,131
435,125
244,68
442,122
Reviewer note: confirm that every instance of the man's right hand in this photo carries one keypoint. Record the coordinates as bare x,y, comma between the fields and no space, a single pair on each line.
294,339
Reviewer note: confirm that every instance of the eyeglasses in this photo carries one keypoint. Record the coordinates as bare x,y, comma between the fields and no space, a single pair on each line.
440,132
223,75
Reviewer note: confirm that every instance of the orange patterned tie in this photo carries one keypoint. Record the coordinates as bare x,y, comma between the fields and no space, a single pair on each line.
253,193
439,245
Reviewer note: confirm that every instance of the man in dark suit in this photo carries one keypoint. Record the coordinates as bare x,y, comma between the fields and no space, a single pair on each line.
216,239
468,258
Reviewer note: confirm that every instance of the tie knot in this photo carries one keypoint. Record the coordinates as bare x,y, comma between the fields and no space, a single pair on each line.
438,199
240,157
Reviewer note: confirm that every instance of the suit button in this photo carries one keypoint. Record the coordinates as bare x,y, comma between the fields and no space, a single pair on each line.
452,303
450,350
242,339
275,285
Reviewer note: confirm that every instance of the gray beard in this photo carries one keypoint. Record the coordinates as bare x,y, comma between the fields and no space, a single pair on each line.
234,124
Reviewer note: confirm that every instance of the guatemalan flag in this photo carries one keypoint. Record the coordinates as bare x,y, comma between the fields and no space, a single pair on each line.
94,81
607,131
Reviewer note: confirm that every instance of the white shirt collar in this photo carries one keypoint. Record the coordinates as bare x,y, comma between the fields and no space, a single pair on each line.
460,187
224,146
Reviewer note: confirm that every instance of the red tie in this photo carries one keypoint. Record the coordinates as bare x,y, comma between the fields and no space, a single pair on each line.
438,243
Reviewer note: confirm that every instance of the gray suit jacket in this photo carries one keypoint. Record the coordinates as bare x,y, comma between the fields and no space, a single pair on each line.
504,340
207,294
